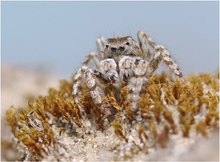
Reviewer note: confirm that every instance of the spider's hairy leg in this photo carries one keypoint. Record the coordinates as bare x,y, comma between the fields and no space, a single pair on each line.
132,73
96,80
96,56
126,65
108,69
100,43
78,78
156,53
92,57
147,45
163,54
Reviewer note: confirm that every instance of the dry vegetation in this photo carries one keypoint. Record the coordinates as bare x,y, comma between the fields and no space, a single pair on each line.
167,109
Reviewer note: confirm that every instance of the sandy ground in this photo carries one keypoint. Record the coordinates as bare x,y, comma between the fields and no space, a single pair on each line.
19,84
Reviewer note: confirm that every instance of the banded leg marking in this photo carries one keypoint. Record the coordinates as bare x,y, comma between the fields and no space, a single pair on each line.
156,53
168,60
96,92
76,92
92,57
147,44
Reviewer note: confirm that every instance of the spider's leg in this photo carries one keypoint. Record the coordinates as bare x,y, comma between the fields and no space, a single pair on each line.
78,78
100,43
96,80
132,73
155,54
163,54
92,57
169,61
97,57
147,45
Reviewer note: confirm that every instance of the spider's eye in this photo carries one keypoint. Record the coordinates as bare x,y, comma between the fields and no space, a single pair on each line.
127,43
113,49
106,46
121,48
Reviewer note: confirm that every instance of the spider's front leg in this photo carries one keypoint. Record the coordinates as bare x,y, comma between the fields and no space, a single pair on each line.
163,54
78,79
95,80
147,45
132,73
92,57
96,56
155,54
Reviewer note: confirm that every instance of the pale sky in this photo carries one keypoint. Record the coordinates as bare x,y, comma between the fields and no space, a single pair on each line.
58,35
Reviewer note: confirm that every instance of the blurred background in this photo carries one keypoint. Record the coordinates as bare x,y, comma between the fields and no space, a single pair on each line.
56,36
43,42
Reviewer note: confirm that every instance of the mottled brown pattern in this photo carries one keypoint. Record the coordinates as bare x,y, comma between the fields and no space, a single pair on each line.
118,40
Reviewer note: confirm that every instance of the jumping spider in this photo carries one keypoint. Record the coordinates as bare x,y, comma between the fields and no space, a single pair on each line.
121,61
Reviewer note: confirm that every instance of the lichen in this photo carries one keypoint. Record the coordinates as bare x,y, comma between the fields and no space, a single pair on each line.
167,107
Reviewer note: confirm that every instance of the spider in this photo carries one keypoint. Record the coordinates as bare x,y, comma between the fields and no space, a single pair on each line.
121,61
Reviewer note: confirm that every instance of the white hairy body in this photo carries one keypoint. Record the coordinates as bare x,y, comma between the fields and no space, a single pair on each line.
121,61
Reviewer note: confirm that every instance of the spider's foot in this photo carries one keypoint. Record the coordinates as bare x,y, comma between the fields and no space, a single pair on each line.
112,76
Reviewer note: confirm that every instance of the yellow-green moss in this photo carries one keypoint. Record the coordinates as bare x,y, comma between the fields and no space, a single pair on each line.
185,98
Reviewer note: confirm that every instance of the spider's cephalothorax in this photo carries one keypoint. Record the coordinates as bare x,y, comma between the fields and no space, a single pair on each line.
121,61
123,46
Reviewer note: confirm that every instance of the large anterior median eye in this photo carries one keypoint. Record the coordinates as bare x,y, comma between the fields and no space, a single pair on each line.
113,49
121,48
132,54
